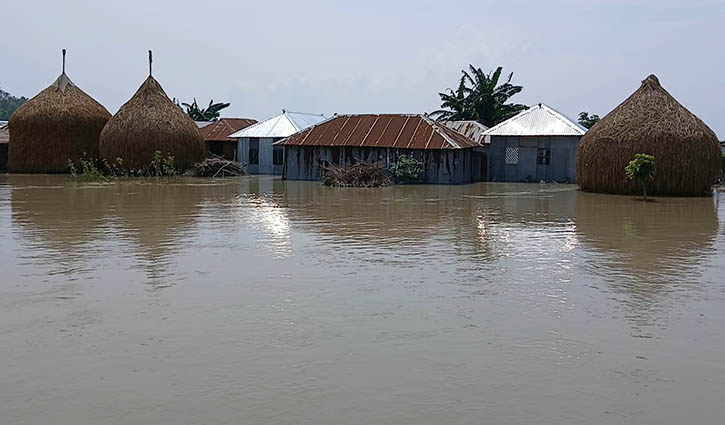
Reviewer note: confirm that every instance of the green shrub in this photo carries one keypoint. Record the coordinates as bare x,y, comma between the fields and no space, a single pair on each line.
100,170
641,169
407,170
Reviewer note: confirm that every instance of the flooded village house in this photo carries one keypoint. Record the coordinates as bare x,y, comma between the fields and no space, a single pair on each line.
448,157
216,136
539,144
255,143
4,139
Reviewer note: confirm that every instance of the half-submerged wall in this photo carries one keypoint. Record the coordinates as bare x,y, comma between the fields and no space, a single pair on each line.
442,166
533,159
258,155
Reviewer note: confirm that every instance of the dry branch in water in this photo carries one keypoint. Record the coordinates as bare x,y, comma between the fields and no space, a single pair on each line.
215,166
361,174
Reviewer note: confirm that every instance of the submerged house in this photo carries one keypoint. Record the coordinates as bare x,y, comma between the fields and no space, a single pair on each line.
448,157
255,143
4,139
538,144
216,136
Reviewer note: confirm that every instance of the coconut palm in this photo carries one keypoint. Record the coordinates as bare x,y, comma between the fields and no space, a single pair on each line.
481,98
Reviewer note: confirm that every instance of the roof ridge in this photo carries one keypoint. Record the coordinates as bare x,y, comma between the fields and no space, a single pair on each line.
302,113
566,120
437,128
543,107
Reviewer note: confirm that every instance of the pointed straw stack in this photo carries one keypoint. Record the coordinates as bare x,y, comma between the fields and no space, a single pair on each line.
60,123
151,122
650,121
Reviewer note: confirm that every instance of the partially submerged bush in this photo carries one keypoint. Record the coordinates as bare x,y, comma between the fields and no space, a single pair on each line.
361,174
92,169
407,170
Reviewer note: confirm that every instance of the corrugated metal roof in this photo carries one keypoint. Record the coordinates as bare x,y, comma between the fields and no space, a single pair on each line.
202,124
472,129
219,131
539,120
382,131
4,134
283,125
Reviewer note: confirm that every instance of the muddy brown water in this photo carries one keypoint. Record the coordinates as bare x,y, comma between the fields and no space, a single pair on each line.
262,301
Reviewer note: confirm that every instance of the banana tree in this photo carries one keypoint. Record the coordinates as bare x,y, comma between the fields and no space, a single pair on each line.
480,97
210,113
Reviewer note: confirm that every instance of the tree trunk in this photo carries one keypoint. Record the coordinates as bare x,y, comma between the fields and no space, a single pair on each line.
644,191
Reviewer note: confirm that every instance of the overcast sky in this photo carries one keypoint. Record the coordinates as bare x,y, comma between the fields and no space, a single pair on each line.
369,56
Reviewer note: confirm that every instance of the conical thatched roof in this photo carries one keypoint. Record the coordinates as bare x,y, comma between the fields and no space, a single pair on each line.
650,121
60,123
151,122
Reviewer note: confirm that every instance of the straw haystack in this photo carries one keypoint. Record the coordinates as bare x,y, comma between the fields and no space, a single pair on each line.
650,121
151,122
60,123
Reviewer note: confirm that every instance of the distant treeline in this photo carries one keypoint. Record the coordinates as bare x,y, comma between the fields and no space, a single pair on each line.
8,104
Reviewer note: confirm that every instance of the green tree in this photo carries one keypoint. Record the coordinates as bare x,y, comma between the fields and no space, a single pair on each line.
588,121
8,104
480,97
210,113
642,170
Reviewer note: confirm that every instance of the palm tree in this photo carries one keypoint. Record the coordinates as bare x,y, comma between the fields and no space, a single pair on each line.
484,101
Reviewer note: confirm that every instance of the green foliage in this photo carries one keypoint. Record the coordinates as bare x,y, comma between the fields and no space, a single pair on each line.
210,113
91,170
641,169
162,166
101,171
8,104
588,121
479,97
407,170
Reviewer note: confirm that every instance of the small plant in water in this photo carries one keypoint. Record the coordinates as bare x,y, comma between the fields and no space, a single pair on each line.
89,170
407,170
641,169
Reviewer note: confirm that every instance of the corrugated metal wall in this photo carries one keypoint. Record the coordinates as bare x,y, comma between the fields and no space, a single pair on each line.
561,167
444,166
266,155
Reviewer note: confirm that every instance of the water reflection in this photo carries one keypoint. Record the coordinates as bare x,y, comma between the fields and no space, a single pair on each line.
646,250
455,295
157,219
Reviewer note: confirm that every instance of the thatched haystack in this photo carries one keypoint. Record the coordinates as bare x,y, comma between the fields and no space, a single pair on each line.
60,123
650,121
147,123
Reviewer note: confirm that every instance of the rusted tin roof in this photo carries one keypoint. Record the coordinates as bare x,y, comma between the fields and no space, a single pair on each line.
472,129
381,131
219,131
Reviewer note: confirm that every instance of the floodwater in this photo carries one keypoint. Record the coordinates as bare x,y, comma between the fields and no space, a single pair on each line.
261,301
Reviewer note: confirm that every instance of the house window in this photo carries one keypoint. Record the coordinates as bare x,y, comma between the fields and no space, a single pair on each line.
254,152
512,155
277,156
543,156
